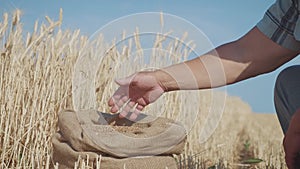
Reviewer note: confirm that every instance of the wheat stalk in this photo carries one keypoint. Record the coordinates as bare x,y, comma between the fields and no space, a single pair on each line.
35,80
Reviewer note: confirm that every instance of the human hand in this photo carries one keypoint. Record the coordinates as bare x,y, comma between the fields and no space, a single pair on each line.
134,93
291,142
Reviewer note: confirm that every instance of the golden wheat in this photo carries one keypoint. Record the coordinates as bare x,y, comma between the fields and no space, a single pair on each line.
36,77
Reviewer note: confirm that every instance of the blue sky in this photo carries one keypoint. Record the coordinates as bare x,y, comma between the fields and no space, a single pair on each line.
221,21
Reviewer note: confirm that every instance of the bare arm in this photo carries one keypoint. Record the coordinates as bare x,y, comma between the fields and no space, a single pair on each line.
252,55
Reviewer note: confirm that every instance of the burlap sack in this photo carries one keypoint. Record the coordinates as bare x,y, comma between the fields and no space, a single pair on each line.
88,133
65,156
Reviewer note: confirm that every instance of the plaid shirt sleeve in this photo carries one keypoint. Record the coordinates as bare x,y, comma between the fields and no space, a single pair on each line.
280,23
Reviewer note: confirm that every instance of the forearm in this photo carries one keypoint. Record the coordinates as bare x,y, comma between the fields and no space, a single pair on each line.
249,56
206,71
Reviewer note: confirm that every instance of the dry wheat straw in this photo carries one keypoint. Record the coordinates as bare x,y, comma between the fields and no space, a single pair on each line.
35,80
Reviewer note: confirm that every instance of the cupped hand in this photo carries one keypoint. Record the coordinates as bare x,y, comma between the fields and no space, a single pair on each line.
134,93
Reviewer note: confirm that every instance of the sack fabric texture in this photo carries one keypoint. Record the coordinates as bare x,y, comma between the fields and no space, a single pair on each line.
148,142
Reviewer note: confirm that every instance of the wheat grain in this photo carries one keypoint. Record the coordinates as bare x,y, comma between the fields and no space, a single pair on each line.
35,80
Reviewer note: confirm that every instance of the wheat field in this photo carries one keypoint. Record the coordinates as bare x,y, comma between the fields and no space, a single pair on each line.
36,83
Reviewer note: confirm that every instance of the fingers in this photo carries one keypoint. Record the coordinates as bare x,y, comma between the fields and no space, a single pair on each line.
121,95
118,99
127,108
135,113
111,102
116,96
141,102
139,107
124,81
133,108
118,103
